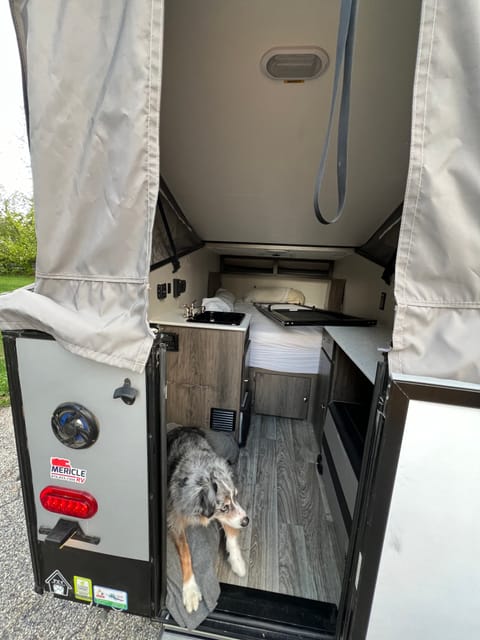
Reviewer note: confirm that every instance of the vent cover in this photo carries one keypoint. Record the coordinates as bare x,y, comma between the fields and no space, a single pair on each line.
222,419
294,64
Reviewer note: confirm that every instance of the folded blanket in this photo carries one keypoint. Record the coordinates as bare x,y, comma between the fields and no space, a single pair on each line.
204,543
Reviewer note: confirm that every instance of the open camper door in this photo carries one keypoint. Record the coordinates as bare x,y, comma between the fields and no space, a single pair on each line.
412,569
85,368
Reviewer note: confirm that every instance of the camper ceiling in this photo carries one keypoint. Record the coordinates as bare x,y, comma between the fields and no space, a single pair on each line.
240,151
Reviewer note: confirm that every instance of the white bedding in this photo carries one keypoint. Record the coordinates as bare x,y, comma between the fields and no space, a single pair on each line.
284,349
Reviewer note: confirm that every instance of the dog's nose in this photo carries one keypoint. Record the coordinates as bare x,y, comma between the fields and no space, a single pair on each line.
244,522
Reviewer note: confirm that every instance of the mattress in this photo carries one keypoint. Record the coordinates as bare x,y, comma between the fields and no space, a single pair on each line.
283,349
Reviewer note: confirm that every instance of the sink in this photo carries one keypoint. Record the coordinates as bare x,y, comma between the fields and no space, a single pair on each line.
218,317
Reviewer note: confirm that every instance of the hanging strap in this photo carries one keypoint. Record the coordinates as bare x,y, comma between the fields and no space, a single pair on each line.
344,54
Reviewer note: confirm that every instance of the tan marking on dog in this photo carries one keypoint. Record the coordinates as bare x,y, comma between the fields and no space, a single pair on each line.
230,532
183,549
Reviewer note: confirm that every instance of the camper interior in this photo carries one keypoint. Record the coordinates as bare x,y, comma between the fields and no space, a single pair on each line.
239,150
188,272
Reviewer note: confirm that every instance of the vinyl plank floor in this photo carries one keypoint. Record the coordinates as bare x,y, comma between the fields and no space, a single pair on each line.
289,546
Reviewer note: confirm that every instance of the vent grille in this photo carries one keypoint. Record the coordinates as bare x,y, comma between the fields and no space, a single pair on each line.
222,419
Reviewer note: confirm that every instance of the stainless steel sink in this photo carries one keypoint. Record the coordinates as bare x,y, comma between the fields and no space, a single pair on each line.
218,317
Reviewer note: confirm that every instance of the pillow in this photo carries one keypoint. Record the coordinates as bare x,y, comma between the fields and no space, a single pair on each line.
226,296
275,294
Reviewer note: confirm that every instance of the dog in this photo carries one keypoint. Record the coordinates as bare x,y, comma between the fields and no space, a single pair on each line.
200,489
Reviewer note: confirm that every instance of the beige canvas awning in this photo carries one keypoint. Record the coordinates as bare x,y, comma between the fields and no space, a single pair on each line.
92,73
437,279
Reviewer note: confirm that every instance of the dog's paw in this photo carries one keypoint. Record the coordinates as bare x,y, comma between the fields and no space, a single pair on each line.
191,595
237,563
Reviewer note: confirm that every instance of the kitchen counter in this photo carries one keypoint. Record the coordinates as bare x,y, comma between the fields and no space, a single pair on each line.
175,318
362,344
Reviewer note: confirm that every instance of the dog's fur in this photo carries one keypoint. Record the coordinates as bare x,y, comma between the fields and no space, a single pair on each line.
200,489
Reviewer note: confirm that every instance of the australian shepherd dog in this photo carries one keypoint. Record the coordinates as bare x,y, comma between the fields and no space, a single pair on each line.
200,489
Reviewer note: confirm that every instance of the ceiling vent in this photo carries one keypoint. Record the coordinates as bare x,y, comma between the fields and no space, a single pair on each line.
294,64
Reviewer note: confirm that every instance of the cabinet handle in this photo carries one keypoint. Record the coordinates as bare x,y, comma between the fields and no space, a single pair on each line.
245,380
306,399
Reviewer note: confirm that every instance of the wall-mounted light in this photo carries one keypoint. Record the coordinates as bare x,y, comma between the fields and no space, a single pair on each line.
294,64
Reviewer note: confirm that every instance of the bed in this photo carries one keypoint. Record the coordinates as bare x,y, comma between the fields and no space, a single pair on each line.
282,362
281,349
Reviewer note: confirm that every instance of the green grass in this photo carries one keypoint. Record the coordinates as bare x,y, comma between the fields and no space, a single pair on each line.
8,283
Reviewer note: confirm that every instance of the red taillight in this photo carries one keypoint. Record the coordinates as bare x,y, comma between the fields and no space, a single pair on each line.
68,502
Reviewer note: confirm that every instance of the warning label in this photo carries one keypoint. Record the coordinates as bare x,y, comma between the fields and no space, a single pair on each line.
82,588
61,469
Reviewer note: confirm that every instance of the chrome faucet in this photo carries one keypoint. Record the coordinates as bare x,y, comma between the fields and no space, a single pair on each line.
190,310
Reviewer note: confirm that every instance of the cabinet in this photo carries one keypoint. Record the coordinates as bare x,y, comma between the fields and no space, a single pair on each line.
277,394
207,379
347,373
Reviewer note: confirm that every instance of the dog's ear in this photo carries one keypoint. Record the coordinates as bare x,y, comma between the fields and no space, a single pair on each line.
208,497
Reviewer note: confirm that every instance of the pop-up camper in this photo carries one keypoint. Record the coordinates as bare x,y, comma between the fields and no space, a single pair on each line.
340,358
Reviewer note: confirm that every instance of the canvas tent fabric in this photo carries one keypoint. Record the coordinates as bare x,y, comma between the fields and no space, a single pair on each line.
437,280
92,77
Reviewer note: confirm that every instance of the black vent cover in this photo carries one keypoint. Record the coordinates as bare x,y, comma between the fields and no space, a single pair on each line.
222,419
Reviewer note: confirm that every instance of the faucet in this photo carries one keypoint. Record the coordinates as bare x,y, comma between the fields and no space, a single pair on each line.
190,310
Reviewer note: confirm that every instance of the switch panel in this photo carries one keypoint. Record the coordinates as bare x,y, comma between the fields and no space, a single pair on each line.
162,291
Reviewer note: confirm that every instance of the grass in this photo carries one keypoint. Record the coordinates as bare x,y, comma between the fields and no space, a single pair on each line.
8,283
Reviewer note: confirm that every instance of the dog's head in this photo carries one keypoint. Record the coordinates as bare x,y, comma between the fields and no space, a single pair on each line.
218,499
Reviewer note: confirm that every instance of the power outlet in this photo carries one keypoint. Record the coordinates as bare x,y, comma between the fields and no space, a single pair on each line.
179,286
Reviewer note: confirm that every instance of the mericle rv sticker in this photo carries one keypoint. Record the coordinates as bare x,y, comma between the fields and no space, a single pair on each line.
61,469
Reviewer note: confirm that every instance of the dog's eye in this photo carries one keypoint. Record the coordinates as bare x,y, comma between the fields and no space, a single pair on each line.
225,508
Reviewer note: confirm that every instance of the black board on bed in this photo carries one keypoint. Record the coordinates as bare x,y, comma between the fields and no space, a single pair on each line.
310,316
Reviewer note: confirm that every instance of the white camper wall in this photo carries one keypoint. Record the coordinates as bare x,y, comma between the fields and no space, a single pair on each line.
363,288
194,269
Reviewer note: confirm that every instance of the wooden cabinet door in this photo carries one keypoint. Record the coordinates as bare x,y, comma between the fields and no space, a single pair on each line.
205,373
281,395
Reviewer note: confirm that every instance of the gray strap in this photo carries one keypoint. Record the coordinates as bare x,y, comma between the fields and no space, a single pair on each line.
344,54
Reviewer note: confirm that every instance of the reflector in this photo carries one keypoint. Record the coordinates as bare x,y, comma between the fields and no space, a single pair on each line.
68,502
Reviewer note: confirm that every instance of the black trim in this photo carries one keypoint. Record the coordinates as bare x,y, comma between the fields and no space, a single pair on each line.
246,613
157,480
342,503
11,361
174,257
180,254
276,244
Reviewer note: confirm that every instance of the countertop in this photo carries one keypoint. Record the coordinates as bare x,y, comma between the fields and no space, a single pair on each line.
361,345
175,318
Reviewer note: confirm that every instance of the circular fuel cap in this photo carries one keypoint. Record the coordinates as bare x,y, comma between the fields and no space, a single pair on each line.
74,425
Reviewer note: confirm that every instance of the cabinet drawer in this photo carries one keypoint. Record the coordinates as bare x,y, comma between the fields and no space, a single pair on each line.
343,467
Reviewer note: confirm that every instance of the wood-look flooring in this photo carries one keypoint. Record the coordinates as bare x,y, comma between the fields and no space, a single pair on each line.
289,546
